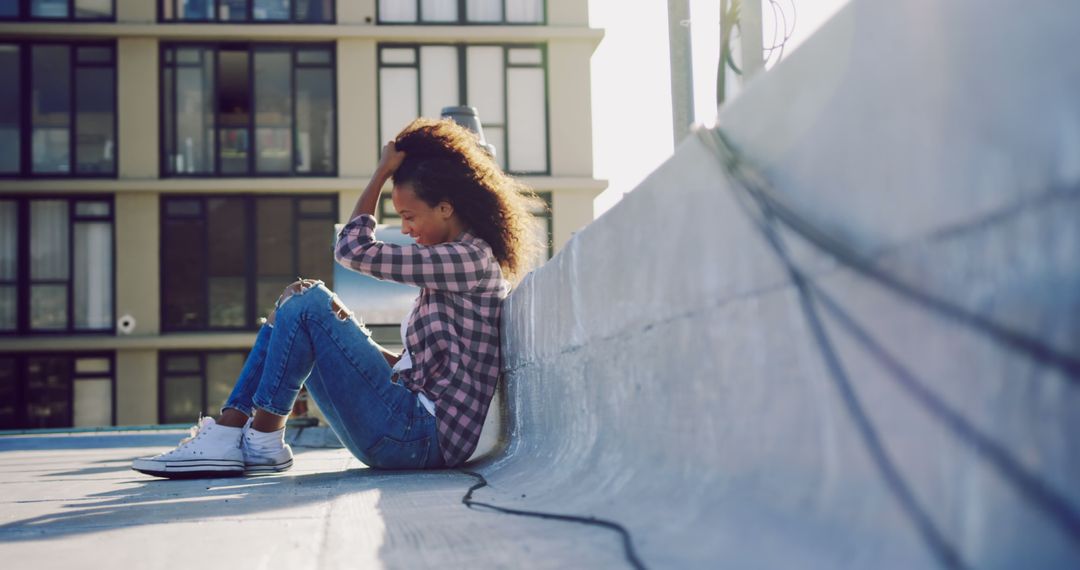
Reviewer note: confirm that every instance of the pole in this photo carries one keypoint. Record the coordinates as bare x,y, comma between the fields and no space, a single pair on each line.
682,83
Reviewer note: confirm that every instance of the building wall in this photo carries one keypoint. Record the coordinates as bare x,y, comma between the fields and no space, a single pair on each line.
138,188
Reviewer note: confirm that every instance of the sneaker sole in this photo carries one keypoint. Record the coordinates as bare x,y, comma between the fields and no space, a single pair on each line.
268,468
194,469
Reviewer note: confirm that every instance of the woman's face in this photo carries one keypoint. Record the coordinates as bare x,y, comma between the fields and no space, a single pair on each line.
427,225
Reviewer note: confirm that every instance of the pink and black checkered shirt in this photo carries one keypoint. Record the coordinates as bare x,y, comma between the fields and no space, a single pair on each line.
453,336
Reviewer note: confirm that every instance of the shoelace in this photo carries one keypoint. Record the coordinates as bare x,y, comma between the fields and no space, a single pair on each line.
193,433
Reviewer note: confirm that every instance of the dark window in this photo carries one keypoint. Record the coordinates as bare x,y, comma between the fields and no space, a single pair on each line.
194,383
507,84
58,109
58,10
243,110
56,265
233,11
225,259
50,390
489,12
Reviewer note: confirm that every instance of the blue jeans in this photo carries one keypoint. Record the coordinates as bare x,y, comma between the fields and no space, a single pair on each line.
380,421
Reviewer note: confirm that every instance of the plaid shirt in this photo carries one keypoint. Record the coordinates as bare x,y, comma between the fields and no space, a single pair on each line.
453,336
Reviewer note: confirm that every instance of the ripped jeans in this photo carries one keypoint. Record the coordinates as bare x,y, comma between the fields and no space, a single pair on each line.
315,341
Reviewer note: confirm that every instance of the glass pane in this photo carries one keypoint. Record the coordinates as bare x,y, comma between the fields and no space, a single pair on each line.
194,9
167,9
227,302
182,399
182,363
92,209
525,11
313,56
168,127
9,8
439,10
93,275
273,111
317,206
398,100
184,267
92,366
272,10
7,308
314,10
234,110
9,231
496,136
181,208
397,11
267,291
9,393
93,402
483,10
49,8
398,55
49,239
526,120
48,307
48,385
232,10
525,56
10,149
316,255
51,93
222,370
274,246
93,9
315,135
439,78
227,236
485,83
95,145
91,54
194,147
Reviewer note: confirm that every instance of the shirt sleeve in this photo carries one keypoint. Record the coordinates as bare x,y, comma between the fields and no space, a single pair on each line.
451,266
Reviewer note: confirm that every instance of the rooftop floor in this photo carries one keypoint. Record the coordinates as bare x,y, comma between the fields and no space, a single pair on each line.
69,499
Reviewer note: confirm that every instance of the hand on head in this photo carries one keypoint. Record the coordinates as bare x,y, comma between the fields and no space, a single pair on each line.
391,159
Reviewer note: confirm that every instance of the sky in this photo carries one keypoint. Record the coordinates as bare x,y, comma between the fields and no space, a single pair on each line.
631,86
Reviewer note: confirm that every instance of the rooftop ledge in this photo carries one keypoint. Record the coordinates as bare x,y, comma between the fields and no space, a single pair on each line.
301,32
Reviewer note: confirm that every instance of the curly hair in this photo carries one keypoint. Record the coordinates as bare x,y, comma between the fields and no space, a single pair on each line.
444,162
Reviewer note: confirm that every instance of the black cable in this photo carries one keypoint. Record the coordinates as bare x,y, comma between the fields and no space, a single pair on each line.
628,544
1014,339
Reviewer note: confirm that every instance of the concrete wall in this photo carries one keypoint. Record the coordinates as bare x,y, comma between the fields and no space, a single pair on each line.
661,371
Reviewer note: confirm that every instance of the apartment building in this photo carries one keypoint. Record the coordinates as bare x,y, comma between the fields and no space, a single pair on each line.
168,166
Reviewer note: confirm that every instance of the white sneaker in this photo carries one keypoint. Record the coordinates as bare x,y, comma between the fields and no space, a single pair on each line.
209,450
261,457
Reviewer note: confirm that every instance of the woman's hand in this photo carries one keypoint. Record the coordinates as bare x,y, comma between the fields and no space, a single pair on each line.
391,159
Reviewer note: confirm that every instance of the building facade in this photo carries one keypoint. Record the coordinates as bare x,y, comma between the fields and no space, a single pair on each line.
167,167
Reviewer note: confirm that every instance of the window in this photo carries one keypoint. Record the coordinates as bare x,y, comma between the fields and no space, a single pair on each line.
56,265
58,10
226,259
57,109
191,383
507,84
461,12
244,110
233,11
50,390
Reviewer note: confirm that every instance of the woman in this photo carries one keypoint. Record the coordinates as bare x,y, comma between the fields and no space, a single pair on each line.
425,407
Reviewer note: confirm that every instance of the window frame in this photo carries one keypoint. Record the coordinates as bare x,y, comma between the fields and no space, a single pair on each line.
251,47
463,77
23,280
248,17
462,19
201,355
251,276
26,124
22,360
26,14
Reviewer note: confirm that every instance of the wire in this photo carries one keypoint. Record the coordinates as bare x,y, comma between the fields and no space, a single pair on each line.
627,541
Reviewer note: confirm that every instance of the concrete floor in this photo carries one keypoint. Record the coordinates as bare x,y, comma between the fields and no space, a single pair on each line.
71,500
